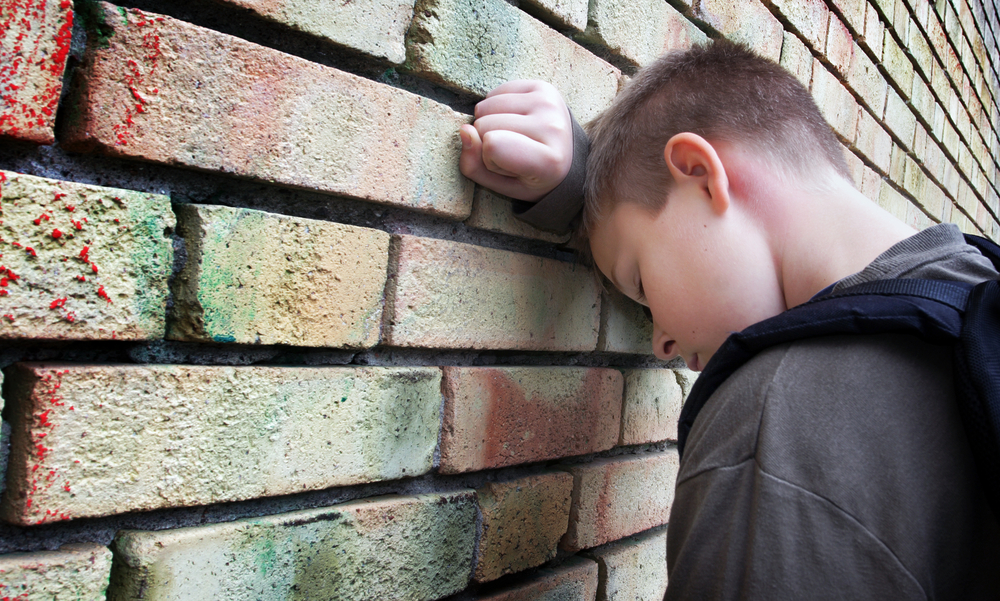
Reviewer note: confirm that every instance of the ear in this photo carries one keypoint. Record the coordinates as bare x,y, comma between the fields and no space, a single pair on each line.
693,161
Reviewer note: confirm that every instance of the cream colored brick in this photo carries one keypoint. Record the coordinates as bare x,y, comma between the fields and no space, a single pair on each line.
570,14
495,213
651,406
624,325
633,568
808,17
748,21
796,58
640,31
835,103
76,572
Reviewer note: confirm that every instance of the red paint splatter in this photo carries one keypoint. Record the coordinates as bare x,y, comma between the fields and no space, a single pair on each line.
103,294
58,303
85,254
56,233
30,251
137,76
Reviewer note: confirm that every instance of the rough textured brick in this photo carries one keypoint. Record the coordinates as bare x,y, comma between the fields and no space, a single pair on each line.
808,17
571,14
34,43
522,522
445,294
835,103
892,201
99,440
920,50
322,129
573,580
922,100
495,213
864,78
651,406
639,31
613,498
4,442
77,571
839,46
898,65
326,292
874,32
412,547
853,12
633,568
686,378
501,416
797,59
445,45
624,325
855,166
897,165
82,262
375,27
749,22
899,118
873,142
871,184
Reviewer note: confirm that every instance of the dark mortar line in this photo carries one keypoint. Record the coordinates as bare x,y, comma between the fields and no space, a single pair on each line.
102,530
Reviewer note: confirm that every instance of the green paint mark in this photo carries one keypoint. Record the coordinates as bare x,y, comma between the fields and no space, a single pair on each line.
92,15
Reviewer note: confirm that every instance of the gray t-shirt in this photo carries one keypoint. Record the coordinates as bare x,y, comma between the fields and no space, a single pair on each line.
838,468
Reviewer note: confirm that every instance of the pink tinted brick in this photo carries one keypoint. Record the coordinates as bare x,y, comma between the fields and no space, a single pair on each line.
748,21
616,497
34,43
854,13
494,417
576,579
445,294
808,17
250,111
839,46
522,522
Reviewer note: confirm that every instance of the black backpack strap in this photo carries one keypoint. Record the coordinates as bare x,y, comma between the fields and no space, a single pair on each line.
929,309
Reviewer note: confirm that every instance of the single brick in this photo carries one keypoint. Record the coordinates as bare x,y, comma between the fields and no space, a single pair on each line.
892,201
920,50
447,44
257,278
106,439
522,522
34,43
898,65
797,59
853,12
573,580
835,103
82,262
445,294
624,325
873,142
855,166
499,416
613,498
871,184
808,17
76,571
412,547
651,406
639,31
922,100
897,165
375,27
899,118
864,78
840,47
748,21
874,32
564,14
633,568
253,112
495,213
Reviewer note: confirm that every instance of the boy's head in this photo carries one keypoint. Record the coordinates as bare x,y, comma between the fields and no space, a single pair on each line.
680,174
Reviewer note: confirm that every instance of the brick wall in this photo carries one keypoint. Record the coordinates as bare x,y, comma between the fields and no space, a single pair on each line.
261,340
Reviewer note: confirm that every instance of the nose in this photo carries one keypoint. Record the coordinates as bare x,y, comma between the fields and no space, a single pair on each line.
663,346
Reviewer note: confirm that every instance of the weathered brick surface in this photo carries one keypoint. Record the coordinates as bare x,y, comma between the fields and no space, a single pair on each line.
375,27
624,326
899,118
575,579
871,184
892,201
445,41
412,547
613,498
445,294
873,142
640,31
522,522
749,22
839,46
326,292
570,14
633,568
898,65
808,17
99,440
82,262
250,111
75,572
501,416
34,43
874,32
835,103
864,78
796,58
651,406
495,213
853,12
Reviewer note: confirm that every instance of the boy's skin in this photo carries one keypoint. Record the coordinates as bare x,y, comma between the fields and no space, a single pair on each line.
737,241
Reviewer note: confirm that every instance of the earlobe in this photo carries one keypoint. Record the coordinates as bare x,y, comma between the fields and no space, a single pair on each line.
692,160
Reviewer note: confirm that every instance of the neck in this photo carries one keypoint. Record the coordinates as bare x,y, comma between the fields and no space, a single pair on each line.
827,234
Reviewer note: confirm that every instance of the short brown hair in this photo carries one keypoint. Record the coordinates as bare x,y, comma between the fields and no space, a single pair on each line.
722,91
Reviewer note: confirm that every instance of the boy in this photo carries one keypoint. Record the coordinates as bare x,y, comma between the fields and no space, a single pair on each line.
716,194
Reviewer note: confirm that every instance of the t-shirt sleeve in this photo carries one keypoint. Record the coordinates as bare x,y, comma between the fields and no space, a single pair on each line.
556,210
